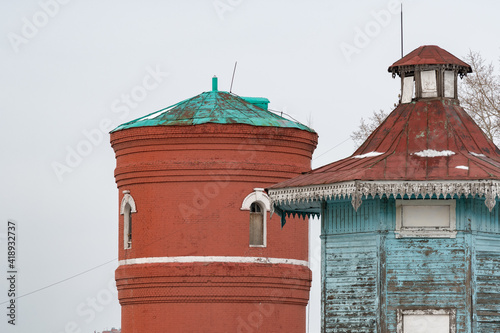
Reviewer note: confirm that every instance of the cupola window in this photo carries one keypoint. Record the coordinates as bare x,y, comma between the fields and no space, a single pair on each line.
429,85
449,84
408,89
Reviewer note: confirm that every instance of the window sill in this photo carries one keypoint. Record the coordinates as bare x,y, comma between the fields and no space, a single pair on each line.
425,233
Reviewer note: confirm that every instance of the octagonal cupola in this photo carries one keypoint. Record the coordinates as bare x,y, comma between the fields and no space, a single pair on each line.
429,72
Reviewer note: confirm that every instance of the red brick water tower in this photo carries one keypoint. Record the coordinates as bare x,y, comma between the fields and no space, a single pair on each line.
198,250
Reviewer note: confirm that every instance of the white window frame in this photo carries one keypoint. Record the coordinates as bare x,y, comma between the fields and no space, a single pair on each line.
408,89
127,200
449,84
429,83
426,232
258,196
451,312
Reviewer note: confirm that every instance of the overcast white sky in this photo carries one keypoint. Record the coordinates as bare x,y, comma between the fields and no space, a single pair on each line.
65,73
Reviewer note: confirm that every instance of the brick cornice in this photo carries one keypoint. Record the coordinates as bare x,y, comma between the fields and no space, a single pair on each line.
214,282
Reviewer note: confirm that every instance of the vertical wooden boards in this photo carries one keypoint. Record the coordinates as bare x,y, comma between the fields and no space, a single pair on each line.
487,283
427,274
350,283
343,219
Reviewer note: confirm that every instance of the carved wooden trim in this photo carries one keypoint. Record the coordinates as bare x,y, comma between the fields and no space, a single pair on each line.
357,190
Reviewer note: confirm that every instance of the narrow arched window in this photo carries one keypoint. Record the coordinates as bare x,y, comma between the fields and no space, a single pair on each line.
127,207
127,223
256,225
258,204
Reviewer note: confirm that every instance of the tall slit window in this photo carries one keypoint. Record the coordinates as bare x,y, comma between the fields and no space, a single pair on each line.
256,225
127,218
127,208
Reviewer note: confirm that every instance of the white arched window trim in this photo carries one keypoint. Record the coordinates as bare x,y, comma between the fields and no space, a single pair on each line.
127,200
258,196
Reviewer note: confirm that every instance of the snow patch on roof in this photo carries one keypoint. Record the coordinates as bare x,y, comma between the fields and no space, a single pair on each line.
370,154
434,153
477,155
463,167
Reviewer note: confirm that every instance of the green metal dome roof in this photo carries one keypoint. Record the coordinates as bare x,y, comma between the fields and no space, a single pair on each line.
217,107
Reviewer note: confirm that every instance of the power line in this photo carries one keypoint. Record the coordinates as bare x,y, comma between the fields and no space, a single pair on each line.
331,149
81,273
281,112
64,280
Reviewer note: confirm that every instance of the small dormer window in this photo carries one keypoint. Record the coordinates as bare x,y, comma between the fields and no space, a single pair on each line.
426,218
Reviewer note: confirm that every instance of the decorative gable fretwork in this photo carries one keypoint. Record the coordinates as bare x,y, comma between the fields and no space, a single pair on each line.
356,190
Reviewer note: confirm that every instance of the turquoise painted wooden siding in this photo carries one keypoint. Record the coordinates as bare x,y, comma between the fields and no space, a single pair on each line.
481,218
340,218
487,283
350,287
428,273
368,273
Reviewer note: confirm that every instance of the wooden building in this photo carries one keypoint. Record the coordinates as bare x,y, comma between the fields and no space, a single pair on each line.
410,222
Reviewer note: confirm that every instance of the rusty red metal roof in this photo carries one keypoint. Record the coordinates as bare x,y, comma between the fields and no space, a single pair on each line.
429,55
425,140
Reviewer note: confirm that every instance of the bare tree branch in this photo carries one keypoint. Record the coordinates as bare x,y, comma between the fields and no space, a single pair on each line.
480,95
366,128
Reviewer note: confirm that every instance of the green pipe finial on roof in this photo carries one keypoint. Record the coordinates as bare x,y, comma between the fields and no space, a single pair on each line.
214,83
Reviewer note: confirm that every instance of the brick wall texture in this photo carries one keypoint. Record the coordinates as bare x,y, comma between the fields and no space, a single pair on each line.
188,183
